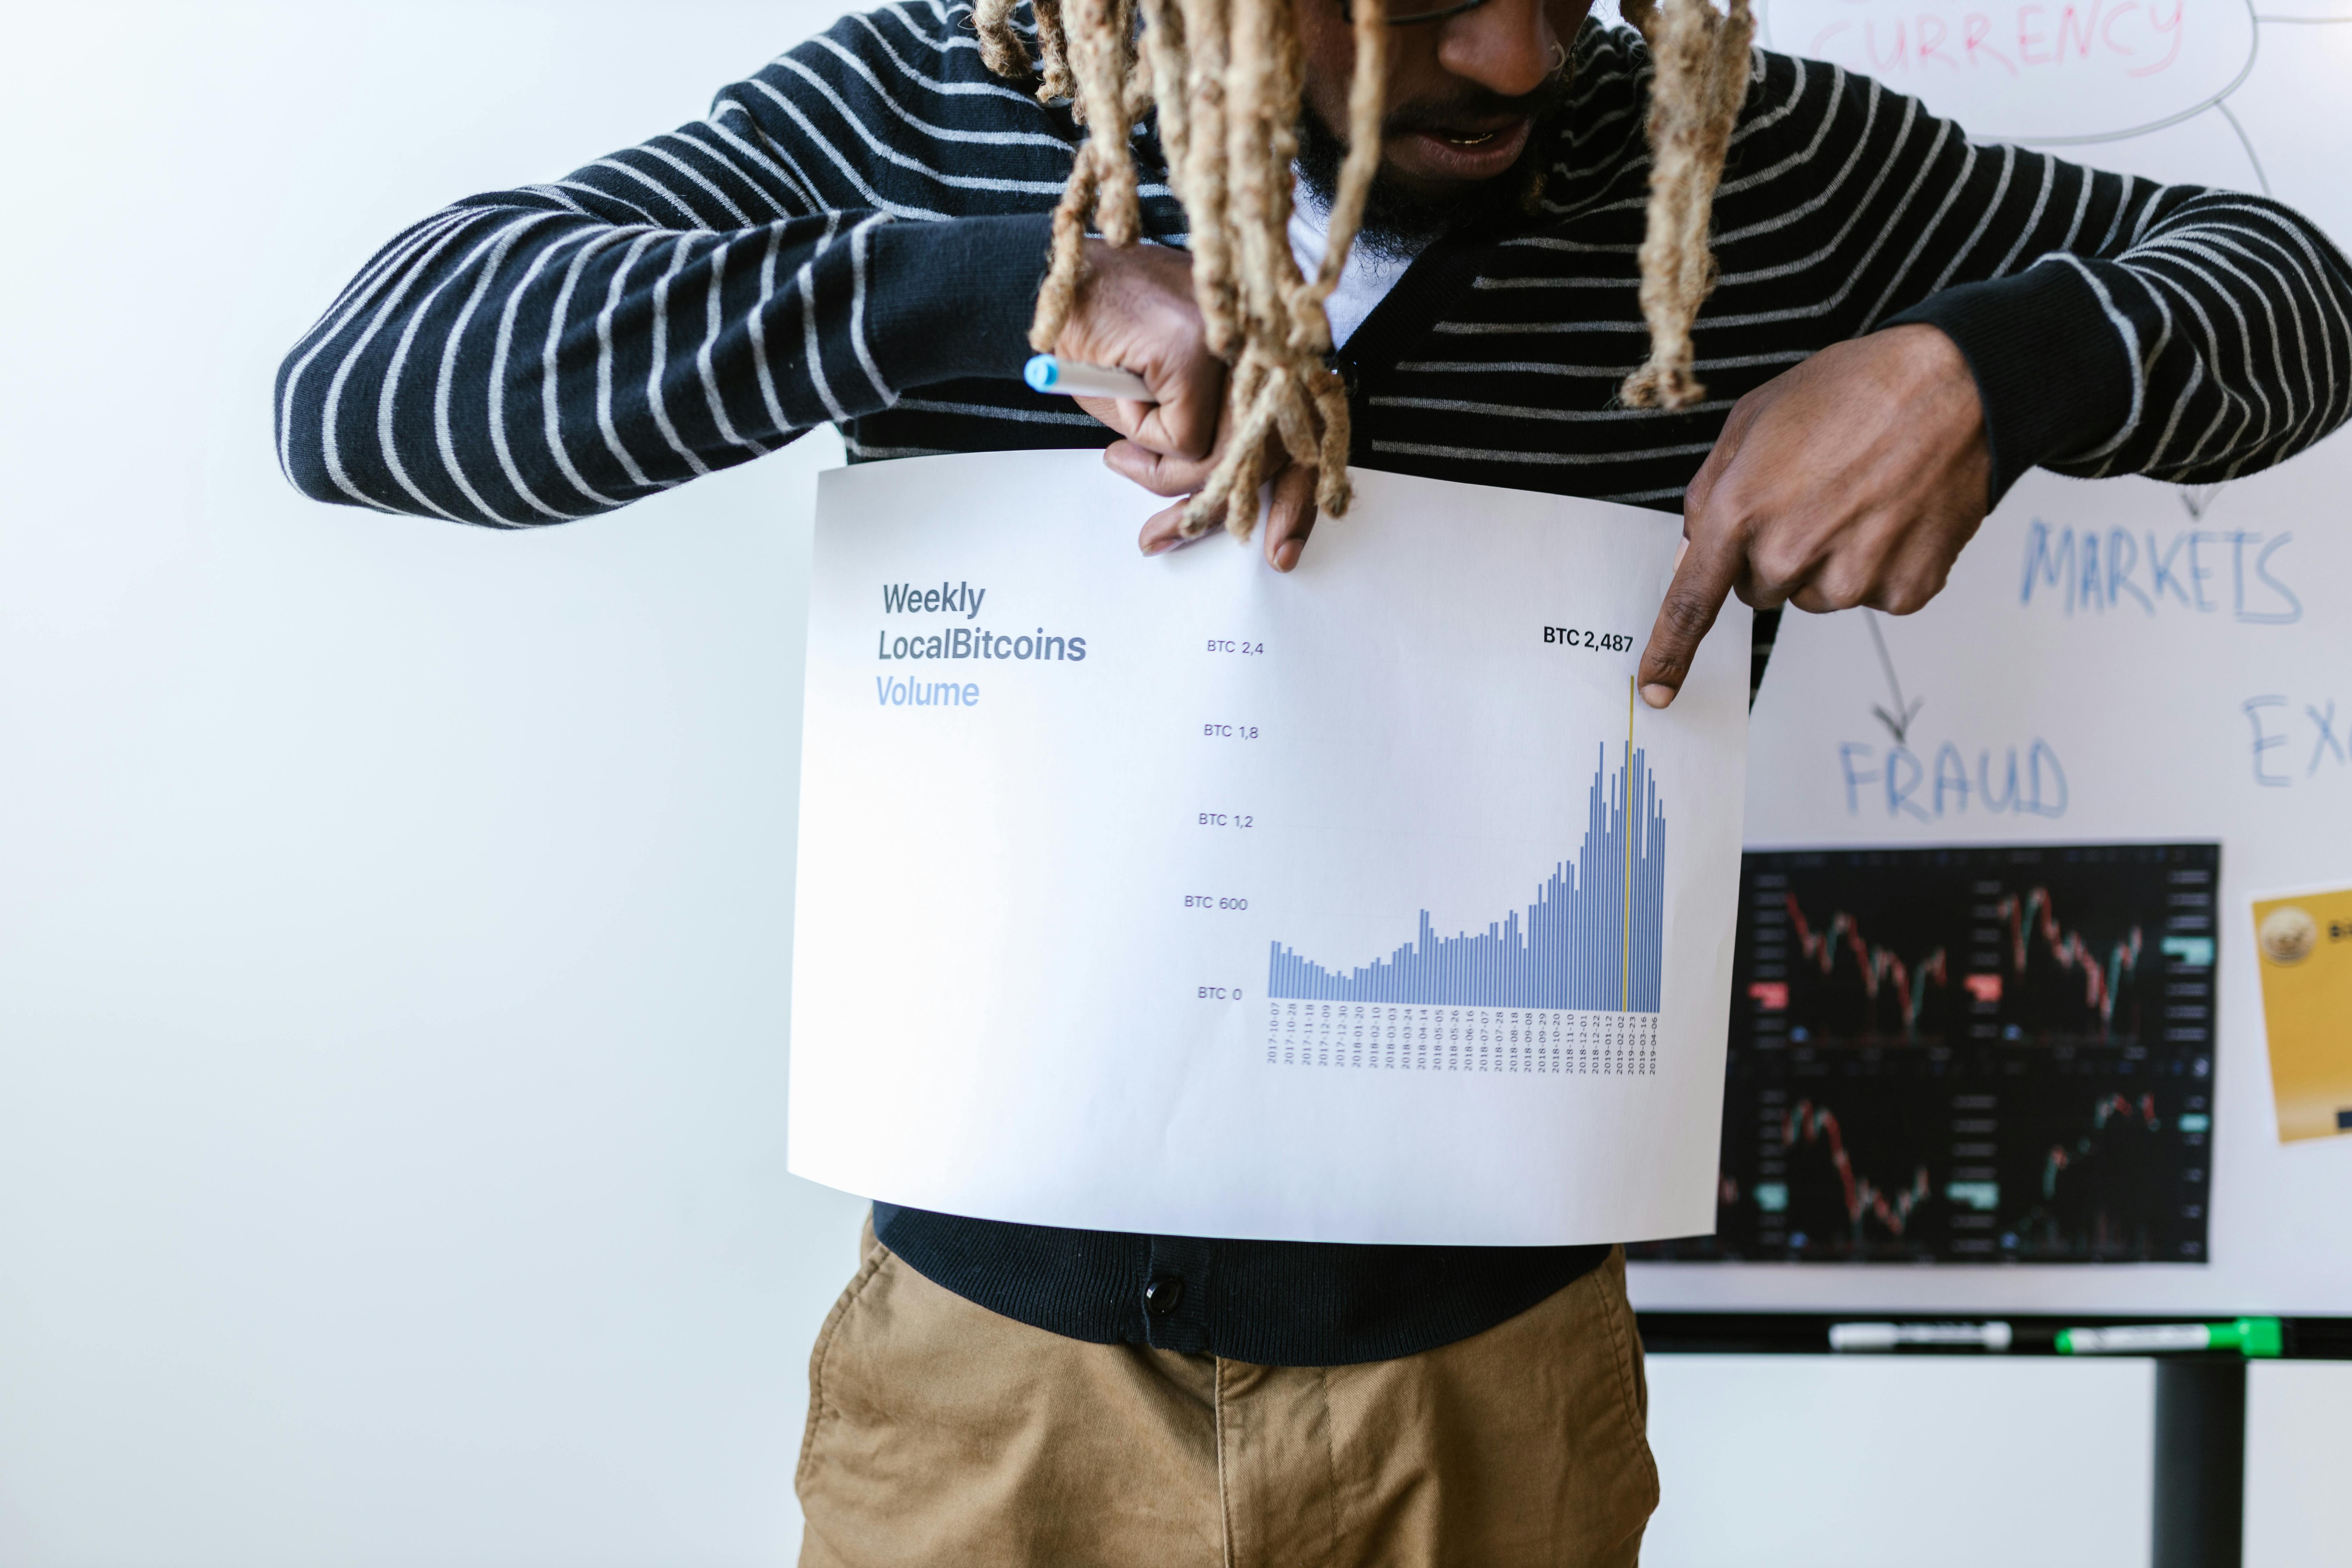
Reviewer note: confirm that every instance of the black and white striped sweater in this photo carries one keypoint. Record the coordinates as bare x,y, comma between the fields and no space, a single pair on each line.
855,234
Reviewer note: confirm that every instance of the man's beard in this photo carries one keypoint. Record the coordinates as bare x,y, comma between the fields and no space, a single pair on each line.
1398,222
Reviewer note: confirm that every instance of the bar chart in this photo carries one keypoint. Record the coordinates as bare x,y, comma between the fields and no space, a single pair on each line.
1593,941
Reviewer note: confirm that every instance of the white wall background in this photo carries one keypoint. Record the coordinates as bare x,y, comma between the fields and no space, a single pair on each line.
394,918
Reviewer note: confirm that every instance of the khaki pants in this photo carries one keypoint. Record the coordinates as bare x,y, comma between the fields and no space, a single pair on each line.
940,1432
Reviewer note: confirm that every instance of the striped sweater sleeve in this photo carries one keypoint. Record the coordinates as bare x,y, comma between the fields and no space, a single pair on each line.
807,252
2114,324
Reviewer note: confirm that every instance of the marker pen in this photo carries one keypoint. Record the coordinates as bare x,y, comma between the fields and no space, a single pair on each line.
1891,1336
2252,1336
1074,378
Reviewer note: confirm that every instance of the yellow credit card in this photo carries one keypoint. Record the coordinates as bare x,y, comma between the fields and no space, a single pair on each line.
2303,945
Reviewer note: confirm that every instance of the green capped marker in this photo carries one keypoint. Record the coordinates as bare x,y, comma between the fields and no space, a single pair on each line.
2249,1336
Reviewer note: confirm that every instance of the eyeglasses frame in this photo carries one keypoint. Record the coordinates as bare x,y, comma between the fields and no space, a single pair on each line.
1348,13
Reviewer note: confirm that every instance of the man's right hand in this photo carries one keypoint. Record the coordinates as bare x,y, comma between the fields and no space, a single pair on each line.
1135,311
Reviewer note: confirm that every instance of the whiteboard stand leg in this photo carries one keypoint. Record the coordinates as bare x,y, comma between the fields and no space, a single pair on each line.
2200,1462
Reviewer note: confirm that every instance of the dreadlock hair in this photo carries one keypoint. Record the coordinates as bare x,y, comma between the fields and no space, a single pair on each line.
1226,76
1701,60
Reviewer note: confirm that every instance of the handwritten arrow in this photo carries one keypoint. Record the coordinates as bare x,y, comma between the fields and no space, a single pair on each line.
1899,727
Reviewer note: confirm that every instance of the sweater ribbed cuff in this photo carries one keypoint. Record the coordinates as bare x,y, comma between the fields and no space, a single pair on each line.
2052,371
955,298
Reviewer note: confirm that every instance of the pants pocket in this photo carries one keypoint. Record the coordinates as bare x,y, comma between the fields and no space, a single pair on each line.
1625,1347
821,1355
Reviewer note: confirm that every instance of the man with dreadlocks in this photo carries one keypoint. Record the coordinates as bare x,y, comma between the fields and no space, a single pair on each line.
1483,240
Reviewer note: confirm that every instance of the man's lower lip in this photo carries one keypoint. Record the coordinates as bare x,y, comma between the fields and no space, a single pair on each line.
1496,151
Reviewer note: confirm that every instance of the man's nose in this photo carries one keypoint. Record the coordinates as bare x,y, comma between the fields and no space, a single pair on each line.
1507,46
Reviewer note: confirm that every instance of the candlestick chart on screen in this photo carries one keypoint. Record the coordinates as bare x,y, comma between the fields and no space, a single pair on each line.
1970,1054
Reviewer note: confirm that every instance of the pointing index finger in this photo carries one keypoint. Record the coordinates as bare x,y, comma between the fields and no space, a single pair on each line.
1703,573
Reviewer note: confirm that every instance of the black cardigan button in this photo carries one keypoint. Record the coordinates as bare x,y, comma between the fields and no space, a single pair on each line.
1163,1294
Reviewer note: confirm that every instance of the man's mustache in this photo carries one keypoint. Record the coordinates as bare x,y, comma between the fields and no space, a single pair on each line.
1474,108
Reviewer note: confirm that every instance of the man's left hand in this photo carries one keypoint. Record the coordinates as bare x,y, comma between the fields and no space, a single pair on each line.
1852,478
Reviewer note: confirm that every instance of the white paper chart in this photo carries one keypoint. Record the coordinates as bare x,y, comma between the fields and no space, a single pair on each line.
1362,903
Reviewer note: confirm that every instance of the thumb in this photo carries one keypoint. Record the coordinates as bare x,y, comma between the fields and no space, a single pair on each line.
1703,579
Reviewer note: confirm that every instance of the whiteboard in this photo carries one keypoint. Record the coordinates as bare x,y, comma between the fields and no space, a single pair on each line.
2218,707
